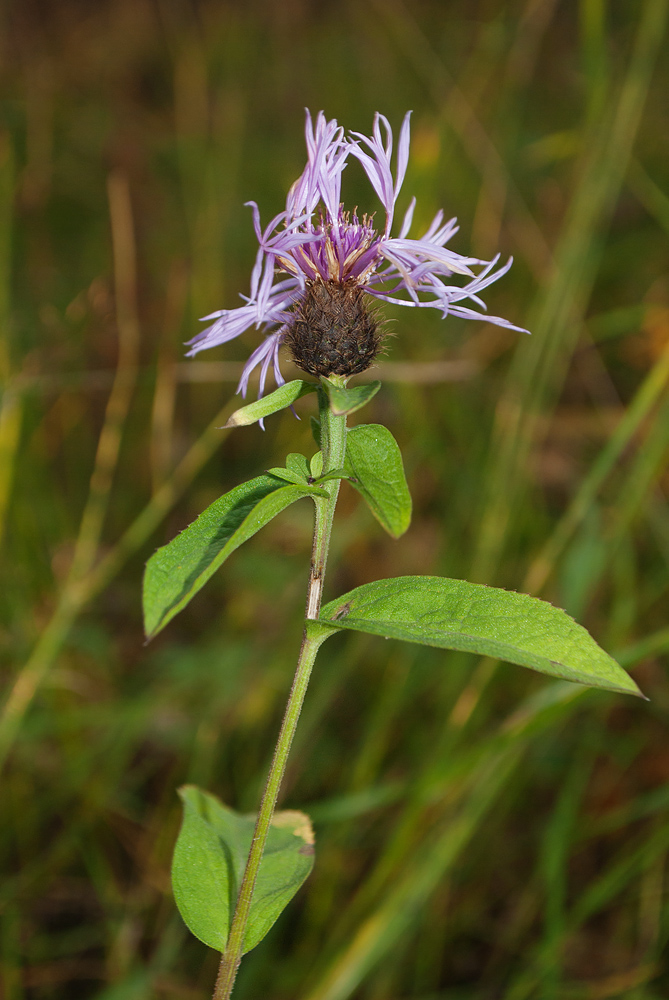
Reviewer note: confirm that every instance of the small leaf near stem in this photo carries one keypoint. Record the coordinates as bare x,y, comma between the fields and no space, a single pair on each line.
282,397
333,444
343,400
374,468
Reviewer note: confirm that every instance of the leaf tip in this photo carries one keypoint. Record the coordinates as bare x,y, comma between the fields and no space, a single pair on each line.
237,419
397,530
151,631
637,692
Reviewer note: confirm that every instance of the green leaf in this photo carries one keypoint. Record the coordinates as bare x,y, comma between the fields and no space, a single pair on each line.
453,614
287,475
315,425
297,470
298,464
333,474
178,570
282,397
349,400
209,860
374,467
316,464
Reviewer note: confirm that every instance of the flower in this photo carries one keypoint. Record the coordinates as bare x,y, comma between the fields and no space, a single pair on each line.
316,271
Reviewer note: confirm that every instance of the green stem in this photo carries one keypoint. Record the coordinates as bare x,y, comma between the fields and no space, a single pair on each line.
333,444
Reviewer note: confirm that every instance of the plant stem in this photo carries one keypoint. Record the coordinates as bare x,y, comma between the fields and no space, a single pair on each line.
333,443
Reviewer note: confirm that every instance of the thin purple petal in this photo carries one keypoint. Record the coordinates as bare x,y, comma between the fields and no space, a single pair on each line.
307,243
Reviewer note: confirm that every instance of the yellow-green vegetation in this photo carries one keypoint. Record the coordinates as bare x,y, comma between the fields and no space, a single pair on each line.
484,832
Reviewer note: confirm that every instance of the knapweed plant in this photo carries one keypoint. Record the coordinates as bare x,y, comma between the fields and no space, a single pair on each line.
318,271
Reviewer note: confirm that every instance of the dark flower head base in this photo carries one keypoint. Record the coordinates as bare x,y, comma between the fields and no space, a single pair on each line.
315,270
332,330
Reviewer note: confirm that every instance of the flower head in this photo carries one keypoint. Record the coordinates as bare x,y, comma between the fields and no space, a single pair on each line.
318,266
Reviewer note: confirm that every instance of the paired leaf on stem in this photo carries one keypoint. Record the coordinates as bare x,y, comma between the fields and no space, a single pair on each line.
341,400
373,466
178,570
209,861
454,614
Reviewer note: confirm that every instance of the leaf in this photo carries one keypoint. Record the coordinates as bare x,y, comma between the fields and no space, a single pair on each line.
315,425
374,467
453,614
349,400
297,470
316,464
297,463
178,570
209,860
287,475
282,397
333,474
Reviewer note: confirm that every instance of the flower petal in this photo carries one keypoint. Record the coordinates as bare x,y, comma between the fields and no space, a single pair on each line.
297,247
402,153
263,354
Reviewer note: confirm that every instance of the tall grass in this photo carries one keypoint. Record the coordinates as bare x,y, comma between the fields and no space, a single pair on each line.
481,833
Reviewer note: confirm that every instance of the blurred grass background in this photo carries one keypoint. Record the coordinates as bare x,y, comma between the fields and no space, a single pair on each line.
482,833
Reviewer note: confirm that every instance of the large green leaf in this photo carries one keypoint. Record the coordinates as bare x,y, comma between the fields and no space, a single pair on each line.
209,860
178,570
282,397
453,614
349,400
374,467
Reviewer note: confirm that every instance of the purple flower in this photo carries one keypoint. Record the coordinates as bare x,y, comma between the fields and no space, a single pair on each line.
316,263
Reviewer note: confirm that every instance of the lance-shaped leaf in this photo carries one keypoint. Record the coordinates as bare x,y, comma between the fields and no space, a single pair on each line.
374,467
453,614
282,397
178,570
209,860
349,400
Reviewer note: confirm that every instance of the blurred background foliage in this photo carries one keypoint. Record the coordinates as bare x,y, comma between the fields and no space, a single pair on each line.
482,833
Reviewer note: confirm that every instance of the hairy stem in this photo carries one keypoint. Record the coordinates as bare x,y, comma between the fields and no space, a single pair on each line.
333,443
